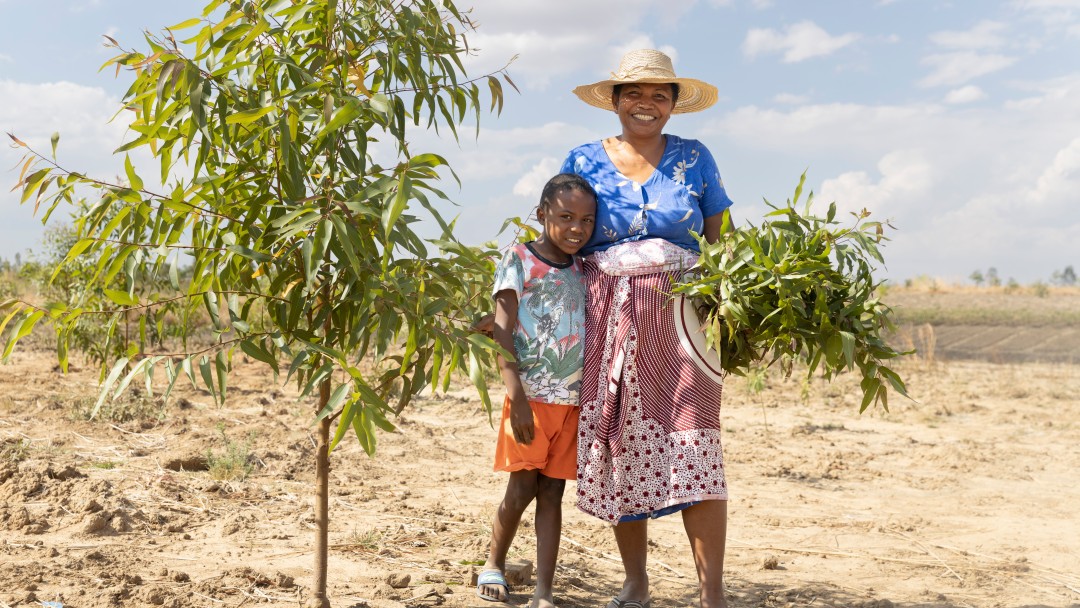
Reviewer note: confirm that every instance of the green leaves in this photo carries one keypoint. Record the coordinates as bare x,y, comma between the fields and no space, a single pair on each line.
281,236
797,289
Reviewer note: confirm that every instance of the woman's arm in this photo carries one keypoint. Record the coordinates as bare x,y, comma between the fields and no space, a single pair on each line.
713,225
521,418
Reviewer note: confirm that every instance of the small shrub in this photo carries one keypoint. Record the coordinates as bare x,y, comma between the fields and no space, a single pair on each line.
234,463
806,390
757,379
126,408
1040,289
14,450
369,540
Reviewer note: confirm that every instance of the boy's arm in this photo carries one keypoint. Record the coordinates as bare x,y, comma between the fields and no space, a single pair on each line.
521,416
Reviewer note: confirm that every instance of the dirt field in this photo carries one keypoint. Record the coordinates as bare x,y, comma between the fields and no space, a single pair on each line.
991,324
965,498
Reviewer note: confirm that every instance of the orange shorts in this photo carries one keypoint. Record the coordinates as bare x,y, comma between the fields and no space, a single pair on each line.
553,450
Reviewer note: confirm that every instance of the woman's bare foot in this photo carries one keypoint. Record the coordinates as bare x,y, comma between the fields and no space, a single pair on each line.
542,602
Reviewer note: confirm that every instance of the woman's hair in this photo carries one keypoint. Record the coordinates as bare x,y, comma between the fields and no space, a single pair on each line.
564,182
617,90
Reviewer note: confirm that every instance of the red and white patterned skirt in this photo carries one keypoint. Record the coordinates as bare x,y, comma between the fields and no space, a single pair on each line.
649,432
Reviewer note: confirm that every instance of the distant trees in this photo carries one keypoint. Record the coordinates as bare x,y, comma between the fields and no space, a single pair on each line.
991,277
1064,277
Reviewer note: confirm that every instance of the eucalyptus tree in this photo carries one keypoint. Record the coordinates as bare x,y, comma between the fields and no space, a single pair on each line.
280,134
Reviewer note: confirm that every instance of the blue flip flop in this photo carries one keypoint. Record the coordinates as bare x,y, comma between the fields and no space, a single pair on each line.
492,578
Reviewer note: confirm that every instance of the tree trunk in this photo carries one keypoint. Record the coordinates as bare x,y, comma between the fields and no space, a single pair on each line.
322,504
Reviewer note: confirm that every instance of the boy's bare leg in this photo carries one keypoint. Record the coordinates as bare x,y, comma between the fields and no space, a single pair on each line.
520,491
633,540
548,532
706,527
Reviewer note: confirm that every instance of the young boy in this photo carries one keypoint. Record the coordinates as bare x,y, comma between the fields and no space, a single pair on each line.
540,317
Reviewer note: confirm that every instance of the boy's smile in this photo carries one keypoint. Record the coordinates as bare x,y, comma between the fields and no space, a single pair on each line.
568,223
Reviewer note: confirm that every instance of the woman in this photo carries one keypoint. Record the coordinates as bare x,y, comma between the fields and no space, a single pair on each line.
649,434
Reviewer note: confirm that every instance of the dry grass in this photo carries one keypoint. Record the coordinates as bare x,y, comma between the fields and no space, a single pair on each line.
1033,306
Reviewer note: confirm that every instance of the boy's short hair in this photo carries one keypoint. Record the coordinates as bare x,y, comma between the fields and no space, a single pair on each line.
564,182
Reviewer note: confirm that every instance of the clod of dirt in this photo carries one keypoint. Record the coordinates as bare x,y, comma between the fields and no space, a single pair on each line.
156,597
770,563
185,461
519,572
427,593
68,472
95,523
383,590
398,580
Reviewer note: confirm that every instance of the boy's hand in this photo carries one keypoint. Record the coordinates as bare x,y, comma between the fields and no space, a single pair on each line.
521,422
485,325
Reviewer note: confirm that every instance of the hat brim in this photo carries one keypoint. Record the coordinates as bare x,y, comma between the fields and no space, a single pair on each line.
694,95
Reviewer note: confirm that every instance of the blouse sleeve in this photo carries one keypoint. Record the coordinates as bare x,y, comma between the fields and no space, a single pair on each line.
568,164
714,198
509,274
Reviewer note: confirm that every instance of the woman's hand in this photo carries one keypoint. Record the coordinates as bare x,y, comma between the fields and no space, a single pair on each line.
521,421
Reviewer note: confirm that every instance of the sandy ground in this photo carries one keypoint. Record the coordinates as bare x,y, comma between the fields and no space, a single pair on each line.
965,498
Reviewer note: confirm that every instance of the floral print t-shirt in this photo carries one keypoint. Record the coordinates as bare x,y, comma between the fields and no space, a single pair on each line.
549,338
684,189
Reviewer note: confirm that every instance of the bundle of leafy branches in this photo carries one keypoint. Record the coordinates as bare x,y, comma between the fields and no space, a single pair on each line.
798,289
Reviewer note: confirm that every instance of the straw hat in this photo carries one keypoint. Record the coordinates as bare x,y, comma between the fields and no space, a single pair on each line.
653,67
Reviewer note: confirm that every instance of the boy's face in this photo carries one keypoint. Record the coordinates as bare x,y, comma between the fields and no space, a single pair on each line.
568,220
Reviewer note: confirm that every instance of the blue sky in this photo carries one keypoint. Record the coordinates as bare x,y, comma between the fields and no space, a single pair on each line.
958,121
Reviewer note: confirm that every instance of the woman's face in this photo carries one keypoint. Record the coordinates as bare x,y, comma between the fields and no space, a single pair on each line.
643,108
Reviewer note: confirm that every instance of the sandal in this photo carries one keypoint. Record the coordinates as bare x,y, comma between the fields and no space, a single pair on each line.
617,603
493,578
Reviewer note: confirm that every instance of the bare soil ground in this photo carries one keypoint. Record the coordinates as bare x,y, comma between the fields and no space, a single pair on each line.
965,498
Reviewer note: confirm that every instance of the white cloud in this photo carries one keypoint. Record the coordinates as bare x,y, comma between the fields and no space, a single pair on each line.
761,4
984,35
823,129
553,39
1060,181
33,112
530,184
84,5
951,69
1046,4
798,42
987,185
502,153
906,176
967,94
791,99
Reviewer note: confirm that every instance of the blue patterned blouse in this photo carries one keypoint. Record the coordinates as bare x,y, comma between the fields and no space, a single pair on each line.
685,188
